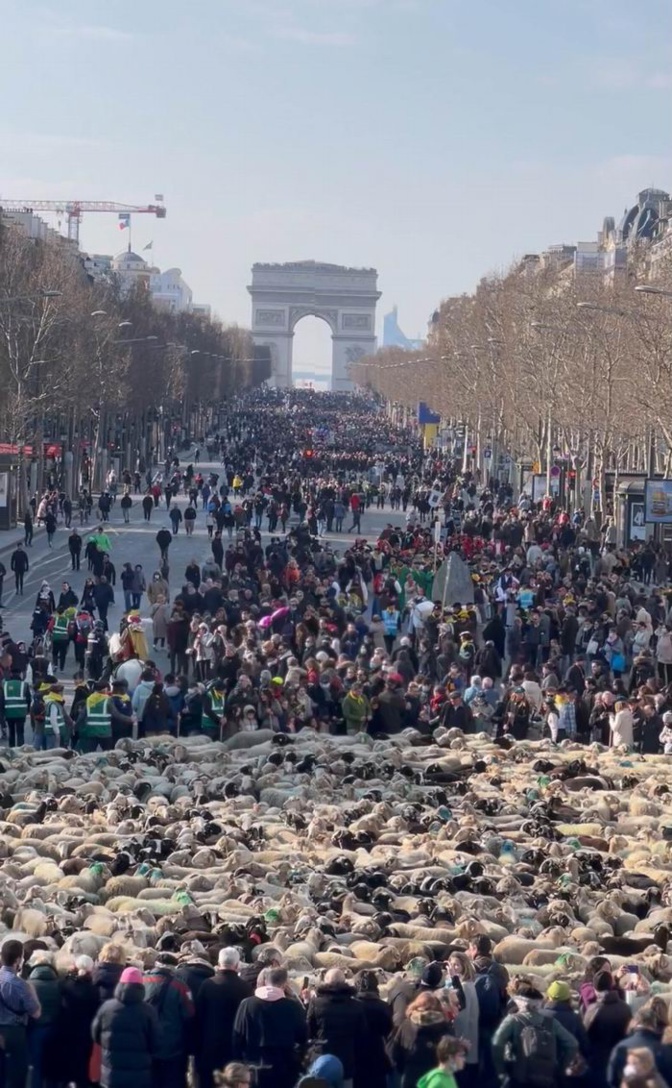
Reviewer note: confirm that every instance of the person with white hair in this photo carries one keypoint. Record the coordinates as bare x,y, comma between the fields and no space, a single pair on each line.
217,1003
80,1001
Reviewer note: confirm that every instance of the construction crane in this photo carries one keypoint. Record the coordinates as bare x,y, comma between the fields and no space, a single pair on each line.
74,209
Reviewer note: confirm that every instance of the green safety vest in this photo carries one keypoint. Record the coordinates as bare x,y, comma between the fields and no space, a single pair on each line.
48,703
15,700
98,718
217,704
60,629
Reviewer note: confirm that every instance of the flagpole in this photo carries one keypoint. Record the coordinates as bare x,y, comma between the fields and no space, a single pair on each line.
130,235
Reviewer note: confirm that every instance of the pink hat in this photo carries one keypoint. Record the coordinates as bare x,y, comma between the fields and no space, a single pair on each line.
131,974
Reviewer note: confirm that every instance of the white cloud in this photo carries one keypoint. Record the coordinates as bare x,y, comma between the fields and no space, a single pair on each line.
40,143
90,32
659,81
314,37
623,74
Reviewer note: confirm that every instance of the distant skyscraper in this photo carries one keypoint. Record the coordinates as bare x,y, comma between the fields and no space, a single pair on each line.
393,337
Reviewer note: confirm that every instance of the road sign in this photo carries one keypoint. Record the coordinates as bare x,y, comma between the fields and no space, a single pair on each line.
487,453
555,471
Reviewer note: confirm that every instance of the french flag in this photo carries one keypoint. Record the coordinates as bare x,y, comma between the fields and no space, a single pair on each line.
124,220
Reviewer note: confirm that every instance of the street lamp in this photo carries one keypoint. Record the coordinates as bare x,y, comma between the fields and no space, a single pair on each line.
27,298
136,340
603,309
649,289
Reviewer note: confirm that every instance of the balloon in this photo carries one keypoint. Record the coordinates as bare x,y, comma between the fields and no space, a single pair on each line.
266,621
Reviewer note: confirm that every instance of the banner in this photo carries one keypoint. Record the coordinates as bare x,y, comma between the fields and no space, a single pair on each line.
658,502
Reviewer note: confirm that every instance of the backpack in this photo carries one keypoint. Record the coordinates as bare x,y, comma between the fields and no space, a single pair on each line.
489,996
37,708
535,1051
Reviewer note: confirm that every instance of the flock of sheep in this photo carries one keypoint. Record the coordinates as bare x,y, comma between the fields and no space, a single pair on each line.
344,851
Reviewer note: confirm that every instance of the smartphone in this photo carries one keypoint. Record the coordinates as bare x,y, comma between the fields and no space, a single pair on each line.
632,969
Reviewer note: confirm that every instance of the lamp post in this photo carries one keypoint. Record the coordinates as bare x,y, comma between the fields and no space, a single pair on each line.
649,289
45,295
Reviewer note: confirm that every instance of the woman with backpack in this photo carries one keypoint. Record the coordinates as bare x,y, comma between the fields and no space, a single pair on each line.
530,1048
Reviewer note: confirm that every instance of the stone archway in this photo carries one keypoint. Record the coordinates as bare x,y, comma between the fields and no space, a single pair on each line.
345,298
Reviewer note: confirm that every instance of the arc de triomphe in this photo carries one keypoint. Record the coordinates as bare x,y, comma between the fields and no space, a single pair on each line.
345,298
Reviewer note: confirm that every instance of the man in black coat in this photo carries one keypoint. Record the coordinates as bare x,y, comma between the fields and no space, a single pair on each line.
75,548
103,595
337,1023
194,967
164,539
171,998
19,564
270,1031
217,1003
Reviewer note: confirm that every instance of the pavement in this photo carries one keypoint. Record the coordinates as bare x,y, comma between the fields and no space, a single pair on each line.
134,543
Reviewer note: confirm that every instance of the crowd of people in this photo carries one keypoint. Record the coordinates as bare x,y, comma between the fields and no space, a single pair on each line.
290,629
450,1024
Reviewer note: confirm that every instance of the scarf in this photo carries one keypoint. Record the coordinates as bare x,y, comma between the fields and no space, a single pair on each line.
97,697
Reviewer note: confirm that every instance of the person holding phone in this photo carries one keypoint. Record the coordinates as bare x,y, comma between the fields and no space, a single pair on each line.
18,1004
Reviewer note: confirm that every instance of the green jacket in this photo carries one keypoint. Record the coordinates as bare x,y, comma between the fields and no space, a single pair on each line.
102,542
355,710
509,1033
48,989
436,1078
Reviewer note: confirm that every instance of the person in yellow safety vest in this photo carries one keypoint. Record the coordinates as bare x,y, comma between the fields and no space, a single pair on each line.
94,724
59,625
57,721
15,707
237,484
213,718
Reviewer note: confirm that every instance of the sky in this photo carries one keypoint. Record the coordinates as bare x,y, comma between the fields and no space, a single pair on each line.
434,140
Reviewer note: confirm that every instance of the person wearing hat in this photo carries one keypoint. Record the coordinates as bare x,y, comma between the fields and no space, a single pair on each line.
127,1030
517,1049
559,1005
456,714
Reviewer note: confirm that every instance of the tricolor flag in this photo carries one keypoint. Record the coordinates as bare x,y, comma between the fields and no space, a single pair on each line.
124,220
